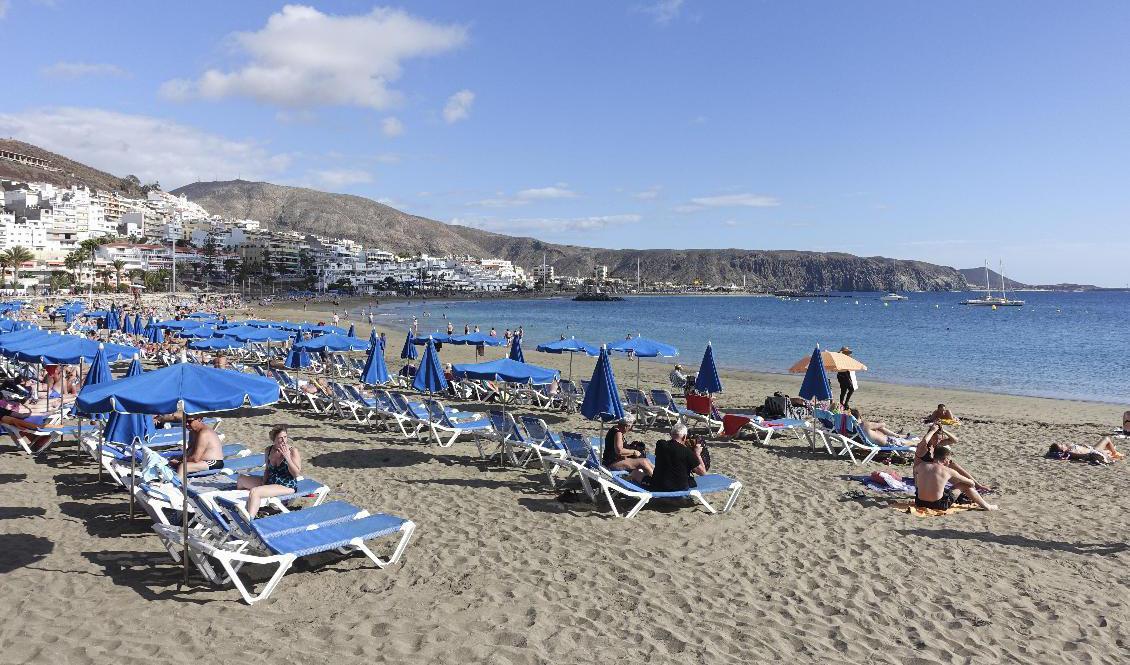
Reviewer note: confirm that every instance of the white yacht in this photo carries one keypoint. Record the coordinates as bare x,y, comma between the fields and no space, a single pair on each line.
994,301
893,297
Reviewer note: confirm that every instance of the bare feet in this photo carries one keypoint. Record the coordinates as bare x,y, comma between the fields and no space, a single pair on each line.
991,506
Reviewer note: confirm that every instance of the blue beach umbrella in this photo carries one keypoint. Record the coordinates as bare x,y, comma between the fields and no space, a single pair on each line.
516,350
505,369
332,342
98,374
113,322
182,387
327,330
602,397
642,347
572,346
201,332
437,337
477,338
409,351
253,334
707,380
375,371
216,344
138,328
122,428
429,378
297,358
352,331
127,324
815,385
155,335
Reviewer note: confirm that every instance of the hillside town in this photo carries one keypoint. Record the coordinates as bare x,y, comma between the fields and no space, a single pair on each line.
56,239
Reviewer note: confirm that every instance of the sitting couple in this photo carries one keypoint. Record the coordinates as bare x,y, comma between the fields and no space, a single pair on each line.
677,459
935,468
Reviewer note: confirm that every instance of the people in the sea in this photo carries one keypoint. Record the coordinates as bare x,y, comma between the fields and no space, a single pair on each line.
678,460
848,382
205,451
280,473
619,456
933,473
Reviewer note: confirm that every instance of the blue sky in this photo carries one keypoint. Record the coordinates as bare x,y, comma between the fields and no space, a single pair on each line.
948,132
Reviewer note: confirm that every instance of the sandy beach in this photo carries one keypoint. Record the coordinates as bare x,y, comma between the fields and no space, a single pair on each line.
809,566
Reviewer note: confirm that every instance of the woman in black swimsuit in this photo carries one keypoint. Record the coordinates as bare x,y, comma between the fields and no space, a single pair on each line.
280,475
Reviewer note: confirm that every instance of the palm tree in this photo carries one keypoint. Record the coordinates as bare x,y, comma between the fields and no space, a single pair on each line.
119,265
74,262
88,248
5,263
17,256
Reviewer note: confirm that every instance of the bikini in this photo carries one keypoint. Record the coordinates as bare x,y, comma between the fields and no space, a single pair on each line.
279,474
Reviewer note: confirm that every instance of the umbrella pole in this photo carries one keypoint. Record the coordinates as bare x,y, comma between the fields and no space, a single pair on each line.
184,490
637,372
570,367
132,473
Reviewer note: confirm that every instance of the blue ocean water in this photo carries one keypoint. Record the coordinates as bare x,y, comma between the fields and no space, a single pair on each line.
1066,345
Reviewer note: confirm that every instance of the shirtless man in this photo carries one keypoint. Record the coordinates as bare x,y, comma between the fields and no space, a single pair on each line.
931,474
204,448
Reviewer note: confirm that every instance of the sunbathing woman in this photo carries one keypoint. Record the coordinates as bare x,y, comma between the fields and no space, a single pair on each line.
280,475
878,432
1103,453
618,456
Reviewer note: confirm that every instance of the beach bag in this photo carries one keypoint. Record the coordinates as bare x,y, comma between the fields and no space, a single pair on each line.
775,406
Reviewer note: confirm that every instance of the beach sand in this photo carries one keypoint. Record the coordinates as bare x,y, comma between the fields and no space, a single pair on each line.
809,567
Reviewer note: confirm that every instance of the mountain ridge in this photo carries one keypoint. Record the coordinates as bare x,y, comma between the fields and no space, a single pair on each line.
357,218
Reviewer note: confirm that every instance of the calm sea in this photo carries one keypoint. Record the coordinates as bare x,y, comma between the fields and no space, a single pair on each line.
1068,345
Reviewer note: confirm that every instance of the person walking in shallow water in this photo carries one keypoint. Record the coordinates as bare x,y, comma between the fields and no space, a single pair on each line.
847,381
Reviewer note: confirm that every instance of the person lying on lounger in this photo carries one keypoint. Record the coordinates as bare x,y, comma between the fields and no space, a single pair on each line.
280,475
1102,453
931,476
205,451
878,432
619,456
943,416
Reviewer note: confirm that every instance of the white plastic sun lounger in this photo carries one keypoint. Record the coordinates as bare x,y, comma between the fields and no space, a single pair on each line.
456,423
281,539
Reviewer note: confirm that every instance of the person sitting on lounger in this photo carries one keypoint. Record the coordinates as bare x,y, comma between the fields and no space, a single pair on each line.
931,476
205,451
1103,453
878,432
943,416
677,378
617,454
677,461
280,475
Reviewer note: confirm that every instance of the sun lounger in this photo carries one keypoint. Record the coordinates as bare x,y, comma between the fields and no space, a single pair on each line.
440,419
643,409
24,438
712,483
280,540
854,439
542,441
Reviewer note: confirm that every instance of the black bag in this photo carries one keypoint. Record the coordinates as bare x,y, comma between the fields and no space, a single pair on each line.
776,406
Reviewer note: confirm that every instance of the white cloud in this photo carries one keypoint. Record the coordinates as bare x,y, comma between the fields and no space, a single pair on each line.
458,106
388,158
546,224
649,194
663,11
71,70
303,57
336,178
297,117
4,4
558,191
148,147
392,126
743,200
526,196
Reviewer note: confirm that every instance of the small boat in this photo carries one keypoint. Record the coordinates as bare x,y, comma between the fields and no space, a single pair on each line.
893,297
596,296
993,301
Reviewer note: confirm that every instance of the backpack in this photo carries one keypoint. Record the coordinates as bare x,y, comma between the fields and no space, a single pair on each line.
776,406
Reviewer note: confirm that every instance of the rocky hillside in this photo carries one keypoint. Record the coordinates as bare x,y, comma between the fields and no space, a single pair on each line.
69,173
364,220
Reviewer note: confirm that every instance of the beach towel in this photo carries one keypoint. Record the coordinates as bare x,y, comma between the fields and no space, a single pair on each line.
882,481
910,508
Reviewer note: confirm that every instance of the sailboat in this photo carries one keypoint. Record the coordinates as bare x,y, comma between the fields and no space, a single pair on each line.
990,300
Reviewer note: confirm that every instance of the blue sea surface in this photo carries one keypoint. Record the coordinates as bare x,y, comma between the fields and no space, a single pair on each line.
1064,345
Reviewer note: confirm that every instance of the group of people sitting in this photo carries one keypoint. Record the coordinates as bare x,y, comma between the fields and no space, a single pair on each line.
678,458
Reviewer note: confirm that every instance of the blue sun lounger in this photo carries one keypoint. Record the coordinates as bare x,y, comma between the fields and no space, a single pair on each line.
281,539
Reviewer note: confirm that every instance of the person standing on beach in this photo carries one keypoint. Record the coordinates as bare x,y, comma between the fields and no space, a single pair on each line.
848,382
466,329
415,326
450,328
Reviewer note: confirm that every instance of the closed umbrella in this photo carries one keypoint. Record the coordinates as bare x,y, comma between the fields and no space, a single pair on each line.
113,322
137,326
409,351
155,335
298,357
375,371
183,387
708,380
98,374
429,378
602,397
516,350
352,331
